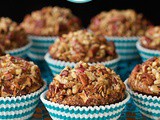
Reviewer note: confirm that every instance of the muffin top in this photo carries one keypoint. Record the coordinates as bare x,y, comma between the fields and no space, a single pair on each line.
119,23
145,78
51,21
151,39
18,77
12,36
82,45
86,85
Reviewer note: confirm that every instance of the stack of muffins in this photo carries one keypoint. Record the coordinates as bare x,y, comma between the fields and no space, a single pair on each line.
82,61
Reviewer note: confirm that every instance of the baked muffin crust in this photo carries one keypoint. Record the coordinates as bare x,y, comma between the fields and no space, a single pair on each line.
82,45
86,85
145,78
119,23
51,21
12,36
18,77
151,39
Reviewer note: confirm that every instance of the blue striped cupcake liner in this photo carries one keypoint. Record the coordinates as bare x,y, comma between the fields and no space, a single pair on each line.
20,107
148,105
65,112
40,46
125,47
147,53
57,66
20,52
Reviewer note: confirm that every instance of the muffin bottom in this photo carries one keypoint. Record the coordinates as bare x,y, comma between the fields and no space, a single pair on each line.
65,112
20,107
148,105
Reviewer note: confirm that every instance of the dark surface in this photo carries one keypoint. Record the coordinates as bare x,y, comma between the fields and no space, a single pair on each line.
17,9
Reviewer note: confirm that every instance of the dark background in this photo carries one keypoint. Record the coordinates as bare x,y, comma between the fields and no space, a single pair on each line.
17,9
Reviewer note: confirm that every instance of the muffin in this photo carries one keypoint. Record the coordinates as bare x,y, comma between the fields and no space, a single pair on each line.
149,44
86,86
81,45
51,21
119,23
13,38
123,27
144,87
20,87
45,25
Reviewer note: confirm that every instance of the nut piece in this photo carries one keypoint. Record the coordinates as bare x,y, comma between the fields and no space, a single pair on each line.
75,88
84,79
155,89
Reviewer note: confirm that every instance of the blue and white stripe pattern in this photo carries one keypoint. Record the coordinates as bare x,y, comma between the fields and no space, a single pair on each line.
20,107
57,66
40,46
65,112
148,105
147,53
20,52
125,47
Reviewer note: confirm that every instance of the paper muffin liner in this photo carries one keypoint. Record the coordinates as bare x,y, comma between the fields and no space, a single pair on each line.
20,52
40,46
57,66
147,53
148,105
20,107
65,112
125,47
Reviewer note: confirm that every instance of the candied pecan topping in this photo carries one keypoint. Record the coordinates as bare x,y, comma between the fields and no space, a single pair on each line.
18,77
82,45
151,39
94,85
12,36
145,78
119,23
51,21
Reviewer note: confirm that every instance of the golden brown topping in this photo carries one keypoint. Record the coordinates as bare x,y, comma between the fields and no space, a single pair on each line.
51,21
82,45
86,85
151,39
11,35
145,78
119,23
18,77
